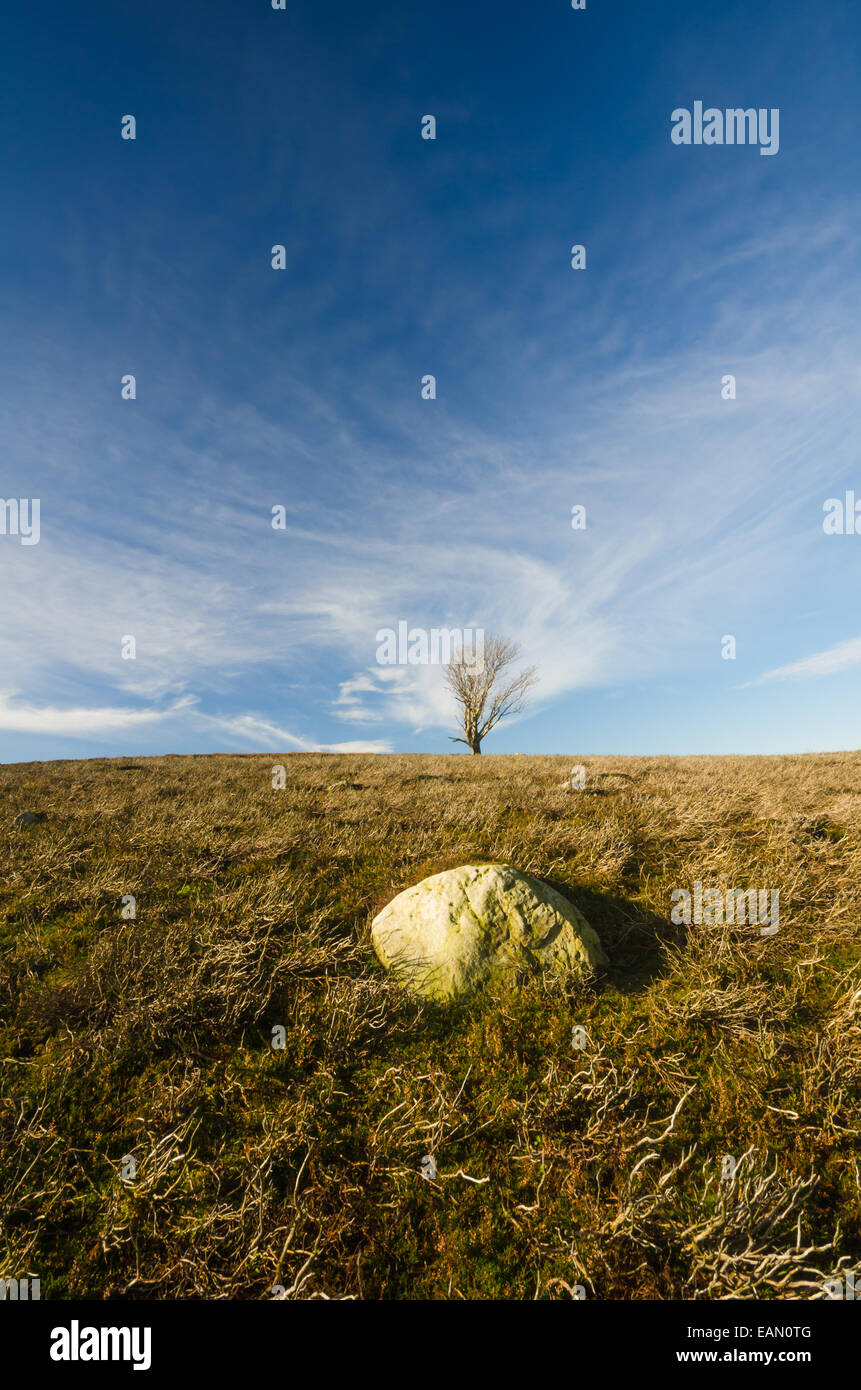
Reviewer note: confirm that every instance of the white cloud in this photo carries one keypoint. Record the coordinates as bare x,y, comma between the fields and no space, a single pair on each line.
840,658
249,728
78,722
380,746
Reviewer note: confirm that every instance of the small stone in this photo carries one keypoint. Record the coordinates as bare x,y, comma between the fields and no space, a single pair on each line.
25,818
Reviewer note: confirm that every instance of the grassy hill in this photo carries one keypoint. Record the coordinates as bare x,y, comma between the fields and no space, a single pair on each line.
599,1167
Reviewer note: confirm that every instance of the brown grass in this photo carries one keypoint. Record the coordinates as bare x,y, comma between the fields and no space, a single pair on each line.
300,1170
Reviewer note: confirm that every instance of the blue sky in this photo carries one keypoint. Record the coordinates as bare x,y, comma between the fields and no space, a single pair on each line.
405,256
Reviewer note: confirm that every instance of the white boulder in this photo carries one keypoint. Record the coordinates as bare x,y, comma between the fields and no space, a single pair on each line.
457,930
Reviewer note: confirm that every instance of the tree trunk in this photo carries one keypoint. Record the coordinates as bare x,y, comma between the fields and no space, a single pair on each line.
476,747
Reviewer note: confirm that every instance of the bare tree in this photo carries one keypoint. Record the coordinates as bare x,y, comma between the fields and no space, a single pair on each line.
486,690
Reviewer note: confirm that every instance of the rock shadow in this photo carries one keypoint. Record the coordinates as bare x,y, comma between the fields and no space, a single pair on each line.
634,938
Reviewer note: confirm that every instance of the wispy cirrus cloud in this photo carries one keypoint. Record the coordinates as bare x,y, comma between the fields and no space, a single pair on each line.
110,722
78,722
265,735
842,657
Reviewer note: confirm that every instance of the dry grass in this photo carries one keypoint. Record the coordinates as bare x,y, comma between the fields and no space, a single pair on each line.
301,1169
